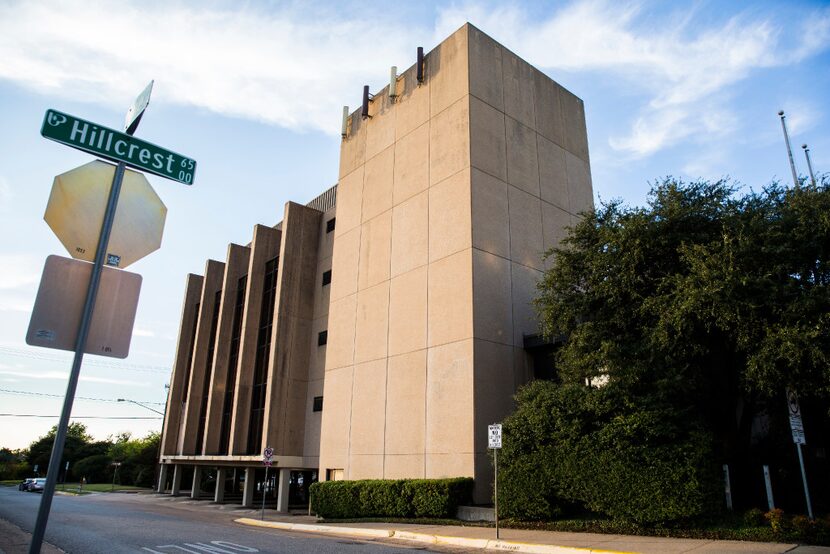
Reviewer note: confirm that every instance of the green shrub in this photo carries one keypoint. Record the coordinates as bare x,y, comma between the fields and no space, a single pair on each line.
754,518
572,448
436,498
776,520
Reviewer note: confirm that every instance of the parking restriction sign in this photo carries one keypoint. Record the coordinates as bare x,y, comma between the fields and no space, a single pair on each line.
494,436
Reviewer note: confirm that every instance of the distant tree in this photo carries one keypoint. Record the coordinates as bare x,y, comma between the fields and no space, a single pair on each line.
78,445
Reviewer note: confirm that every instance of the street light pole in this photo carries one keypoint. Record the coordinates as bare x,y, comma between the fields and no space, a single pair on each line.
140,404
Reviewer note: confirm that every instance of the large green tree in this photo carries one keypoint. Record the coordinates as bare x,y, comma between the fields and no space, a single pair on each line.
693,312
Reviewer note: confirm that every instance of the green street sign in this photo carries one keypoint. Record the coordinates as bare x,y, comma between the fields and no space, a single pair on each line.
114,145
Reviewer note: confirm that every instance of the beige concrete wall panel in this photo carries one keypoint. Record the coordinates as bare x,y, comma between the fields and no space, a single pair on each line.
375,251
236,265
322,294
440,466
368,408
412,105
317,356
372,323
353,147
408,312
494,387
446,70
363,466
325,248
518,89
484,474
449,141
410,236
576,135
579,184
526,246
199,373
522,367
377,184
313,420
450,299
411,173
184,352
490,216
553,174
549,121
336,419
522,158
525,320
344,264
264,246
405,405
341,335
492,308
404,466
486,80
450,216
555,223
449,399
349,203
488,150
380,128
284,421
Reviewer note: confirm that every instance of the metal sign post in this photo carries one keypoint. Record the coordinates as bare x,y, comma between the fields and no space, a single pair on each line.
125,149
267,455
494,442
799,438
80,343
768,483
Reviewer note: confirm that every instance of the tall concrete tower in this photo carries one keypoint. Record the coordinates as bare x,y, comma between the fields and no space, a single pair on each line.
449,194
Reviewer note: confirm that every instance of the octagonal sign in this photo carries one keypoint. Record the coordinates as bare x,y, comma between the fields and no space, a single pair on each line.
76,207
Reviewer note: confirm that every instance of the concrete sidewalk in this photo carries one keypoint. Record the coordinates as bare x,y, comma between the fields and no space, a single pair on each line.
520,540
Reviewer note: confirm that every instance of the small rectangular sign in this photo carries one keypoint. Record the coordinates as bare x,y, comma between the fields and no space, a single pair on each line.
796,424
60,302
494,435
115,145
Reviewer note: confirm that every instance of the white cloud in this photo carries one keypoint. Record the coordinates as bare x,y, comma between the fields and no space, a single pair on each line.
294,65
680,67
286,66
143,333
19,270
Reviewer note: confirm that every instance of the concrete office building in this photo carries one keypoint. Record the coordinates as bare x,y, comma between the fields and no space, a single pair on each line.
376,331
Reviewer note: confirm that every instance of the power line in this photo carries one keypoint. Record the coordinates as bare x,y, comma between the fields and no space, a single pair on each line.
32,393
79,417
22,353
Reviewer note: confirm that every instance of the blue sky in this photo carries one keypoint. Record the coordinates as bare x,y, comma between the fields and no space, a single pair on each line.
254,91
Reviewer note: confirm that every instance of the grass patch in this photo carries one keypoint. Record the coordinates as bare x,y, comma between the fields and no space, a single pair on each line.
99,487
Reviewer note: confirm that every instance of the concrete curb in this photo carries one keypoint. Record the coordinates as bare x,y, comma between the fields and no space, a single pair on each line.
491,544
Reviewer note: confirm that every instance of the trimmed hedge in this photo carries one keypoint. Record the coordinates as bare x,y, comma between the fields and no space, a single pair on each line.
434,498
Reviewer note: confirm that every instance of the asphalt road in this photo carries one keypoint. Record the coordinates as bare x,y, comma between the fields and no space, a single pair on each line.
112,523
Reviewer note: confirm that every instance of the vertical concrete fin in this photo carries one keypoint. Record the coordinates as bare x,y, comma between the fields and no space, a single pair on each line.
264,247
184,353
284,426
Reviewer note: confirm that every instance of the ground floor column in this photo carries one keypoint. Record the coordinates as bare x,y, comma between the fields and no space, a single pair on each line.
196,489
283,485
162,478
177,480
219,493
249,488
